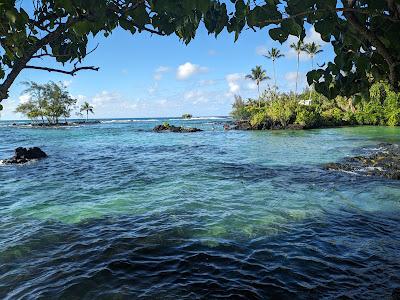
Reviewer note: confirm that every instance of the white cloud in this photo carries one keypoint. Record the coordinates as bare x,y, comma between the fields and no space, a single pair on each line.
233,81
311,36
252,85
196,96
104,98
206,82
188,69
262,50
162,101
9,106
152,89
290,78
67,83
314,36
160,71
24,98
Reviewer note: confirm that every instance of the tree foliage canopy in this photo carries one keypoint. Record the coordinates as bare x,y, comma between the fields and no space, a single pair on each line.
49,101
364,33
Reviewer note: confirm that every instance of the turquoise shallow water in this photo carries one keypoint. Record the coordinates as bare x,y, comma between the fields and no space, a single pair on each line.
120,212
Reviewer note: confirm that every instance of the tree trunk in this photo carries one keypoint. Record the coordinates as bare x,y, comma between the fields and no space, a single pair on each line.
312,85
87,116
273,63
297,74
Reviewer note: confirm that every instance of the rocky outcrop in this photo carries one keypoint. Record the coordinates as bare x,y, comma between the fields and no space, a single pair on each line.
24,155
238,125
384,163
63,124
245,125
171,128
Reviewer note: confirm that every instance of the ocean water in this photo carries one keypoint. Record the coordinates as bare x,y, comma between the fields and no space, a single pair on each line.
119,212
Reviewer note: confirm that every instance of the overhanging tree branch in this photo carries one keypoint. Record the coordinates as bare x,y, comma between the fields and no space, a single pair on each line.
72,72
370,36
20,64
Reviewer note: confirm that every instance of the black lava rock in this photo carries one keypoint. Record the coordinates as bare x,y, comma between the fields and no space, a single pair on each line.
171,128
24,155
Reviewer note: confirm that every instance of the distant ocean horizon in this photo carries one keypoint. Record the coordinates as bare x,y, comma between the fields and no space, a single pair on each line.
129,118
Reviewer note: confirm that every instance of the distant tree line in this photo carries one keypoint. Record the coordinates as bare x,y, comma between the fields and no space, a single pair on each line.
50,103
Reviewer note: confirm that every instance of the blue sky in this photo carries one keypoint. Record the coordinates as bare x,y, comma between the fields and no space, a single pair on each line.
152,76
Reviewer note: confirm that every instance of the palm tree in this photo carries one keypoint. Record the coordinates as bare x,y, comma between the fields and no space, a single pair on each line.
298,47
274,54
312,50
258,75
87,108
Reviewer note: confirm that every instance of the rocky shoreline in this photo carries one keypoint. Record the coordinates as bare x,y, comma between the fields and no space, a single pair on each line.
383,163
245,125
50,125
172,128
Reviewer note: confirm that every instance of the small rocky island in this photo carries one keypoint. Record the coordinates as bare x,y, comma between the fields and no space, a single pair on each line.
171,128
24,155
383,163
63,124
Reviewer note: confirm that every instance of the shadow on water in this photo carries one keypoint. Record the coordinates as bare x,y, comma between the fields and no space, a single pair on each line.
347,255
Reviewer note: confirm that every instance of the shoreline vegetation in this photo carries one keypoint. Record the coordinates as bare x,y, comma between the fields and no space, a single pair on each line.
51,102
311,110
59,124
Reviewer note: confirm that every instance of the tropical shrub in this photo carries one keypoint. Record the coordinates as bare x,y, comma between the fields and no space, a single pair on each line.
260,120
272,110
307,117
281,112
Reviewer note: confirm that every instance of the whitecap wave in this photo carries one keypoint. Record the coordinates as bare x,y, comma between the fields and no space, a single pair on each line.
127,121
366,169
200,118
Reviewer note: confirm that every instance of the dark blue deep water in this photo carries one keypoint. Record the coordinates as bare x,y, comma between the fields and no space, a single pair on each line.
119,212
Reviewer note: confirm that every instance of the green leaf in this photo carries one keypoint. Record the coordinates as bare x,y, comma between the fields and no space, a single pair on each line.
278,34
1,107
140,16
11,15
82,28
291,27
202,5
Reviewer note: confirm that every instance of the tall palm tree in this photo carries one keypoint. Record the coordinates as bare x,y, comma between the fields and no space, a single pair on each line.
312,50
298,47
87,108
258,75
274,54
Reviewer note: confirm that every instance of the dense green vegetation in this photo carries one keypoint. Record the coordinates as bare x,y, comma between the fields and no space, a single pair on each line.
363,33
280,110
187,116
49,102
